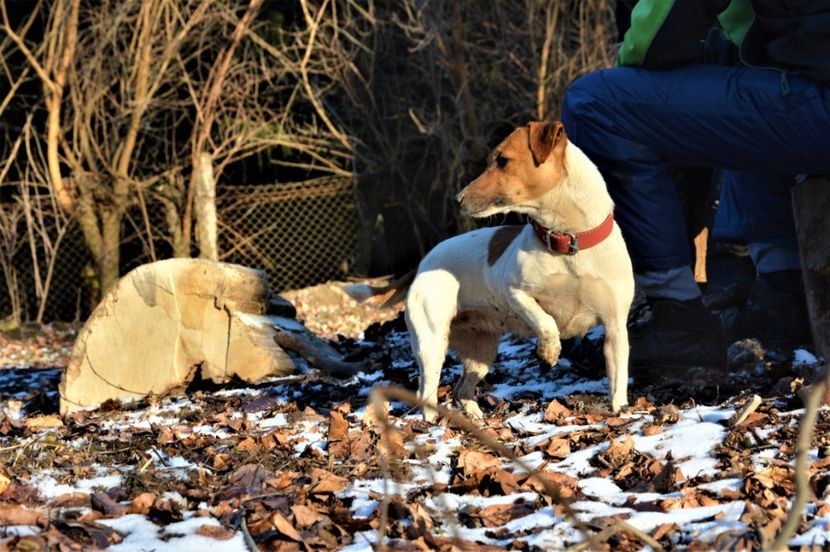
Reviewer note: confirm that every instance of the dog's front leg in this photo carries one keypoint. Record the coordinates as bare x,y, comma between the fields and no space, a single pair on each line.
616,362
541,323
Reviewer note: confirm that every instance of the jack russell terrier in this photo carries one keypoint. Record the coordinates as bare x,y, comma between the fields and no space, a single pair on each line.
556,277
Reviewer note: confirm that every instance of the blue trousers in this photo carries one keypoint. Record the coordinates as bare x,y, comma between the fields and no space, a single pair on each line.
763,126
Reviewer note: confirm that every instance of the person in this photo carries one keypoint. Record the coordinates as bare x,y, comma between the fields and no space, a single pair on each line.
762,120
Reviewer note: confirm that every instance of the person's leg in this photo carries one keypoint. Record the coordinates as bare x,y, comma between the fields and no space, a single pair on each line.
635,123
776,311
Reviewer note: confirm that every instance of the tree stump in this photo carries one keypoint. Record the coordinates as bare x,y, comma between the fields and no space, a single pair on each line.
164,321
811,205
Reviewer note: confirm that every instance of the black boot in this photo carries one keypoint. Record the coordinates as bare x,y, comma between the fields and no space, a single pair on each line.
679,335
775,313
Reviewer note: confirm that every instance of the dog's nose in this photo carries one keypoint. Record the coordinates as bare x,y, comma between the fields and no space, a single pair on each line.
459,197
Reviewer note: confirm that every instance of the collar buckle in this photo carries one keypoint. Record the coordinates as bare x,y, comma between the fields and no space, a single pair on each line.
573,245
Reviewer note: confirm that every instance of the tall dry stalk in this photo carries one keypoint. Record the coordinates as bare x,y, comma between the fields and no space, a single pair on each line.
425,88
122,81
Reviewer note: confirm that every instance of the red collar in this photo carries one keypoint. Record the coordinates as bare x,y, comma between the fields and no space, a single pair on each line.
570,244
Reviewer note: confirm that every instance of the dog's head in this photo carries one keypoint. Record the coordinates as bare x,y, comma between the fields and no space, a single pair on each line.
523,168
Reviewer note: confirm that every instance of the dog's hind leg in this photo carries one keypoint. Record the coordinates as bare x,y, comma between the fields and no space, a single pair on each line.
616,362
428,317
477,350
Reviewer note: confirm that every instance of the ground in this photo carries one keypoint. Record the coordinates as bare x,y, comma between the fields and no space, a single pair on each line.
306,462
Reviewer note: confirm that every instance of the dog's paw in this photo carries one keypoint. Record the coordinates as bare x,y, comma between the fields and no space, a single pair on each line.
472,409
549,350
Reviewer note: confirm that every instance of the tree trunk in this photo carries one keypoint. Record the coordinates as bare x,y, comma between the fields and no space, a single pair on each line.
108,257
205,207
811,204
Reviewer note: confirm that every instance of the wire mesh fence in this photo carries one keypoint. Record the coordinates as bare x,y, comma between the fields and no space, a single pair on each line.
299,234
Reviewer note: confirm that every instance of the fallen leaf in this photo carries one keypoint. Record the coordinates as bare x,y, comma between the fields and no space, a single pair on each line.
4,482
102,502
556,412
652,429
617,452
42,422
667,414
473,461
142,504
664,530
497,515
305,517
284,526
17,515
338,436
422,524
327,482
216,532
246,444
558,448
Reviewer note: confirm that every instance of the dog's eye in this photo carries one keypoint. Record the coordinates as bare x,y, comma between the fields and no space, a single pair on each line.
501,161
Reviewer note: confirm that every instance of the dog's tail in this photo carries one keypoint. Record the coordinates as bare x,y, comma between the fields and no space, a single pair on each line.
396,289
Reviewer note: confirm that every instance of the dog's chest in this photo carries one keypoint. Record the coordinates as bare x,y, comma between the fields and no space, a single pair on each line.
570,301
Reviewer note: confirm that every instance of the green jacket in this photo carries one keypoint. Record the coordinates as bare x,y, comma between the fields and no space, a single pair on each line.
792,35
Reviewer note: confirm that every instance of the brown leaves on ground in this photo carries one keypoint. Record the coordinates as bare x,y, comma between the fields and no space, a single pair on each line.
298,482
556,413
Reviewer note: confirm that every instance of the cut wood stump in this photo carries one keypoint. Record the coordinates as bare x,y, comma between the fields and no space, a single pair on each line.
164,321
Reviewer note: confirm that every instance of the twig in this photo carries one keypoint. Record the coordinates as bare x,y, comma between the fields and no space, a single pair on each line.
24,444
802,448
740,416
608,532
246,534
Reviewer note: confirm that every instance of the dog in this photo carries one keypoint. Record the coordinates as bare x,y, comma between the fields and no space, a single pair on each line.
556,277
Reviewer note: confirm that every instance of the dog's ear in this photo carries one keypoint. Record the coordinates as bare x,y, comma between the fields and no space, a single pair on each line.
544,138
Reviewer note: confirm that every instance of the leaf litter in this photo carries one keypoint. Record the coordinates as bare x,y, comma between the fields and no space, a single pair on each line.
305,464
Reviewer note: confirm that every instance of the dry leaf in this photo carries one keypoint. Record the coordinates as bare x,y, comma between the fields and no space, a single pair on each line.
284,526
42,422
475,461
664,530
215,532
17,515
327,482
142,504
104,503
667,414
338,436
375,415
652,429
391,444
422,524
246,444
617,452
305,517
4,482
556,412
558,448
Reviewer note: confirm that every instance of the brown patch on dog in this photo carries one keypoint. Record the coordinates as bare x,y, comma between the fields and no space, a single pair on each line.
501,238
526,165
542,137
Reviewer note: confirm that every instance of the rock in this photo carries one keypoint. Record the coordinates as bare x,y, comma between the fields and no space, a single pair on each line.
164,321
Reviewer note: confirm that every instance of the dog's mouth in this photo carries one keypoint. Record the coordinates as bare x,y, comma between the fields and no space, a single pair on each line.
476,209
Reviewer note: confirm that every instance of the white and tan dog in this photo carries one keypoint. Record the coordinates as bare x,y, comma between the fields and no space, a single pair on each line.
555,278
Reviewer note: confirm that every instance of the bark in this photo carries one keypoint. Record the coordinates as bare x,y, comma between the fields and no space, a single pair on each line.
811,203
205,208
